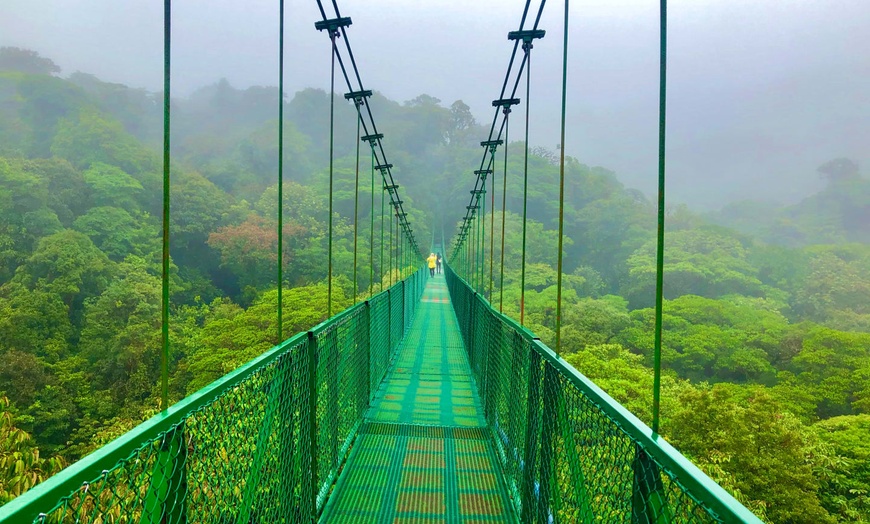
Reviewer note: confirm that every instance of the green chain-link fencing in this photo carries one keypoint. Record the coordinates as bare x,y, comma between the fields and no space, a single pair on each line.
569,452
262,444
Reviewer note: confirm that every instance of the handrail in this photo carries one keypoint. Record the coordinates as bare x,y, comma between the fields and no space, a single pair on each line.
673,477
86,486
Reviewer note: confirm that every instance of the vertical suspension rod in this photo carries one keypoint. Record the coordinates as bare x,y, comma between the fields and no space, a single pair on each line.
660,239
281,171
562,187
164,304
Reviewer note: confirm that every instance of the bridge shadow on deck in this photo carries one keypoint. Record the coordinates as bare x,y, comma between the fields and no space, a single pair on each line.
422,453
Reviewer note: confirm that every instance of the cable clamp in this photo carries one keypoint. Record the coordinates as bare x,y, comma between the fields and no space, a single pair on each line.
383,167
527,36
333,25
371,138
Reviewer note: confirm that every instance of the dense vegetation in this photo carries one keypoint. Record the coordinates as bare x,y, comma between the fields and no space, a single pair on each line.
767,318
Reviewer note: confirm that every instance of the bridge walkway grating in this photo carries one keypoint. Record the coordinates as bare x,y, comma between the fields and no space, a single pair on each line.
422,454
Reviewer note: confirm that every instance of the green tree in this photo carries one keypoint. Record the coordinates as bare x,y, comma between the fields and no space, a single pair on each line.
21,466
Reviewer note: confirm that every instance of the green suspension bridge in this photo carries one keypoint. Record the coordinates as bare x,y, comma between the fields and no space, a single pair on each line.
424,403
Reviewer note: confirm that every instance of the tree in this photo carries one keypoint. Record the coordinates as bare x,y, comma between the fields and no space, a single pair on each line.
26,61
67,264
839,170
111,186
763,450
843,466
21,467
708,262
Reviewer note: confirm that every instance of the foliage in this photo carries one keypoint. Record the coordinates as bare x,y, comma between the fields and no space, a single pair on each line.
765,349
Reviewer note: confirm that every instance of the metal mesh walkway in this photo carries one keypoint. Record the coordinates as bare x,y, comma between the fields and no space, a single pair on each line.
422,454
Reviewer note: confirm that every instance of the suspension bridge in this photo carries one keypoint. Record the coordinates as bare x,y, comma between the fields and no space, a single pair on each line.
423,403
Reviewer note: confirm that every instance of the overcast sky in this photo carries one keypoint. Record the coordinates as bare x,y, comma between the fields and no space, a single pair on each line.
761,92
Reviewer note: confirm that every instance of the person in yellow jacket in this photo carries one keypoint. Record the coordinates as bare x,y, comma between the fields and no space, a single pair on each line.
432,260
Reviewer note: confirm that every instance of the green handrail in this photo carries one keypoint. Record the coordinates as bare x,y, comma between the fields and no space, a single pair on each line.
568,451
267,439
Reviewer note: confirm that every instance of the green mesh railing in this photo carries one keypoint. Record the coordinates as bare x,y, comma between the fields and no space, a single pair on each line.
569,452
262,444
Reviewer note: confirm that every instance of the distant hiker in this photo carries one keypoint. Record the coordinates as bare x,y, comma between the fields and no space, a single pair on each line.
432,262
438,264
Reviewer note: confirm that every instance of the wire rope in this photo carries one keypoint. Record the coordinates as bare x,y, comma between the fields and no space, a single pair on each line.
357,103
164,301
281,171
527,47
562,186
660,237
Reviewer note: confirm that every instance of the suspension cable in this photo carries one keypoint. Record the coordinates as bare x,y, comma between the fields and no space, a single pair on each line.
507,112
332,36
660,239
527,47
356,103
281,172
381,265
372,231
492,220
562,187
164,303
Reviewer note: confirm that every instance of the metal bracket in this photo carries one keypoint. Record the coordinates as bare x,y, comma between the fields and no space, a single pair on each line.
372,138
527,36
333,24
382,167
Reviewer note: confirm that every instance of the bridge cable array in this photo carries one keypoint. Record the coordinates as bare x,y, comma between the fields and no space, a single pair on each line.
469,246
336,28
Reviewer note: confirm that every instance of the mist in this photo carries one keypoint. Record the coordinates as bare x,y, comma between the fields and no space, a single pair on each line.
759,94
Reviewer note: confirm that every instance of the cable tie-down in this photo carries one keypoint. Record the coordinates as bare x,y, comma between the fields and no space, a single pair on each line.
383,167
392,187
371,138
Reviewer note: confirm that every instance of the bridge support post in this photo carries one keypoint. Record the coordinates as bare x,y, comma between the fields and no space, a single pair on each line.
166,500
311,426
531,488
648,504
389,324
551,399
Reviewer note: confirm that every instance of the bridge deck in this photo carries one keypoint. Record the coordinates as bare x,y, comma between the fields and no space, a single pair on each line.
422,454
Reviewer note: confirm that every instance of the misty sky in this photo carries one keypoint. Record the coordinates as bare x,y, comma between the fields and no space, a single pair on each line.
761,92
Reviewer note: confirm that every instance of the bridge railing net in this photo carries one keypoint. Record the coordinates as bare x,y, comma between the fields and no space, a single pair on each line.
243,449
569,452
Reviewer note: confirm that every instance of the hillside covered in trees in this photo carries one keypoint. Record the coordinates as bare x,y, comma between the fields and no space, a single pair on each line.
767,317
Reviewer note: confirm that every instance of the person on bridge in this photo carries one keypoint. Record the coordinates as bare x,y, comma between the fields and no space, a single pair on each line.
432,260
438,264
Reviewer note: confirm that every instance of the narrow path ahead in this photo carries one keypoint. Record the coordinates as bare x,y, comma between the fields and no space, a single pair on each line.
422,453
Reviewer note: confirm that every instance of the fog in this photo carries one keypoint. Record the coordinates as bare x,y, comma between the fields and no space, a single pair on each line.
760,93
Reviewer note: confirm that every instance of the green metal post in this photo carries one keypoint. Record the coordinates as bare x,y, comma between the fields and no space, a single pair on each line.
164,304
492,222
561,188
507,112
166,499
660,238
281,171
357,103
381,266
530,456
332,36
312,469
527,47
372,230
